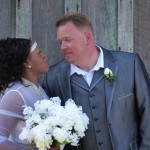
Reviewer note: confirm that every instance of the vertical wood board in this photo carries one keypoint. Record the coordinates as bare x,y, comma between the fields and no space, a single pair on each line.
24,18
125,25
72,6
7,18
45,14
103,15
142,31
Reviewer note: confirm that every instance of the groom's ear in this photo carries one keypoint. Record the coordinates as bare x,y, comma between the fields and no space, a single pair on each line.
87,36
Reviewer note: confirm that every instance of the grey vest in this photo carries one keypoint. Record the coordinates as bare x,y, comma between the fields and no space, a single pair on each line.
92,100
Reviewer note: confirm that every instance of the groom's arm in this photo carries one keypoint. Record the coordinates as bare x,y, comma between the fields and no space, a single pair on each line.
142,93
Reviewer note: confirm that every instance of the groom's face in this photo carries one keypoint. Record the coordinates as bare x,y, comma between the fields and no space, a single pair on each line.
72,42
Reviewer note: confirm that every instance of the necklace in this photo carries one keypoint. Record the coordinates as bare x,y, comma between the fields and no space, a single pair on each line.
36,89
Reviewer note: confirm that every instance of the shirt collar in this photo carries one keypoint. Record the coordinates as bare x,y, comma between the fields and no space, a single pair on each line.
99,64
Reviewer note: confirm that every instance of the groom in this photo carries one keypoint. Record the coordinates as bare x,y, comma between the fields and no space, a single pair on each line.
118,108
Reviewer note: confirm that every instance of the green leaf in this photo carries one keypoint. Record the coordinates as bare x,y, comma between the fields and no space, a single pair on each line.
56,143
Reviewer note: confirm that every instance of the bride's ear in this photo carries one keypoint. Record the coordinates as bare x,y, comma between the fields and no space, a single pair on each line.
27,65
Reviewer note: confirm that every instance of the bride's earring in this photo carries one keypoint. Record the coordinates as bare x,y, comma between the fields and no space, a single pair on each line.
29,66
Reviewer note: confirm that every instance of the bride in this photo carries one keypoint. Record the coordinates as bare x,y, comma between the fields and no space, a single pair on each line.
21,63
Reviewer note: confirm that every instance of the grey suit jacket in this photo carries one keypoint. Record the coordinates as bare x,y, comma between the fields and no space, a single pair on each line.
127,98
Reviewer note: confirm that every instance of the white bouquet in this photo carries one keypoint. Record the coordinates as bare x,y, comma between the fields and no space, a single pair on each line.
49,124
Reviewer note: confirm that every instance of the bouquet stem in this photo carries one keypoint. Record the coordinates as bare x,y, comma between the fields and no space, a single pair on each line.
62,147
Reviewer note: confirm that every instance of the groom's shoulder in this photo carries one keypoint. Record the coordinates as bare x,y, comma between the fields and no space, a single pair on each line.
121,54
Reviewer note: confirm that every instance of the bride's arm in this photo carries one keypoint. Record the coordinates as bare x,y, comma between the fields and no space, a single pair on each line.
10,114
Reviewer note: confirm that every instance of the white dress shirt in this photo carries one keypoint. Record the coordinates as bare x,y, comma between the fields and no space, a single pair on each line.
88,76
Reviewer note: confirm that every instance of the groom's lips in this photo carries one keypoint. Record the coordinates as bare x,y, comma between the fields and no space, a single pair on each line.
66,54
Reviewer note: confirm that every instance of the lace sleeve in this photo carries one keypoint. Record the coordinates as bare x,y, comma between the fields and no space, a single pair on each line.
10,114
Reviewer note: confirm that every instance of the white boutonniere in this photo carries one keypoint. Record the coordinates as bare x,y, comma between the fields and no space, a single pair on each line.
109,75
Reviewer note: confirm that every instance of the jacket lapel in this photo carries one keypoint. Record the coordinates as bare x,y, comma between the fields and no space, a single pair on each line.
80,81
97,77
64,81
109,62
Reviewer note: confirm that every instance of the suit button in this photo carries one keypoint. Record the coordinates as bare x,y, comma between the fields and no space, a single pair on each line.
98,131
95,119
91,95
93,107
100,143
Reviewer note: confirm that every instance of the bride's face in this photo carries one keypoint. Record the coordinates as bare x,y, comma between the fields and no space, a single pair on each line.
38,62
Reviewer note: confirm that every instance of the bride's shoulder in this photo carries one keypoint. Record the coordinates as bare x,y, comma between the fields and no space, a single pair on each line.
14,87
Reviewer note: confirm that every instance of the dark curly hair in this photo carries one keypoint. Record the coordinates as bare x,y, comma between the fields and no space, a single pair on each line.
13,54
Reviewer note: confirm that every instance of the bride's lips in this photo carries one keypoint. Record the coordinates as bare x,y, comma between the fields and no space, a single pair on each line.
45,61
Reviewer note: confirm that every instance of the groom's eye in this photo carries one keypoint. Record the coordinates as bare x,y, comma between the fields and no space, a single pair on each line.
68,39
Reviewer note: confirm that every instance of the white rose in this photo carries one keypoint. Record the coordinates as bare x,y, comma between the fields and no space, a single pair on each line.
28,111
85,120
79,126
51,122
55,100
36,118
40,131
60,134
73,139
26,134
43,105
108,71
68,124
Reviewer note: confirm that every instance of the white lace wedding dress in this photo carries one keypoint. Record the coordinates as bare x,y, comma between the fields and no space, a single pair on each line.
11,113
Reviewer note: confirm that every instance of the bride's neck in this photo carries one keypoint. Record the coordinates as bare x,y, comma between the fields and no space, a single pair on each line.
31,78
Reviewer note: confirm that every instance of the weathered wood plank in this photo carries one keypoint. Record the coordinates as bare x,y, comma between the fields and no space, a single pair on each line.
118,24
45,14
103,15
72,6
24,18
125,25
142,31
7,18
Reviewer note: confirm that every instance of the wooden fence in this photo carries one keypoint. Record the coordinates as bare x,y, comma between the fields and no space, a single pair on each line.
118,24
